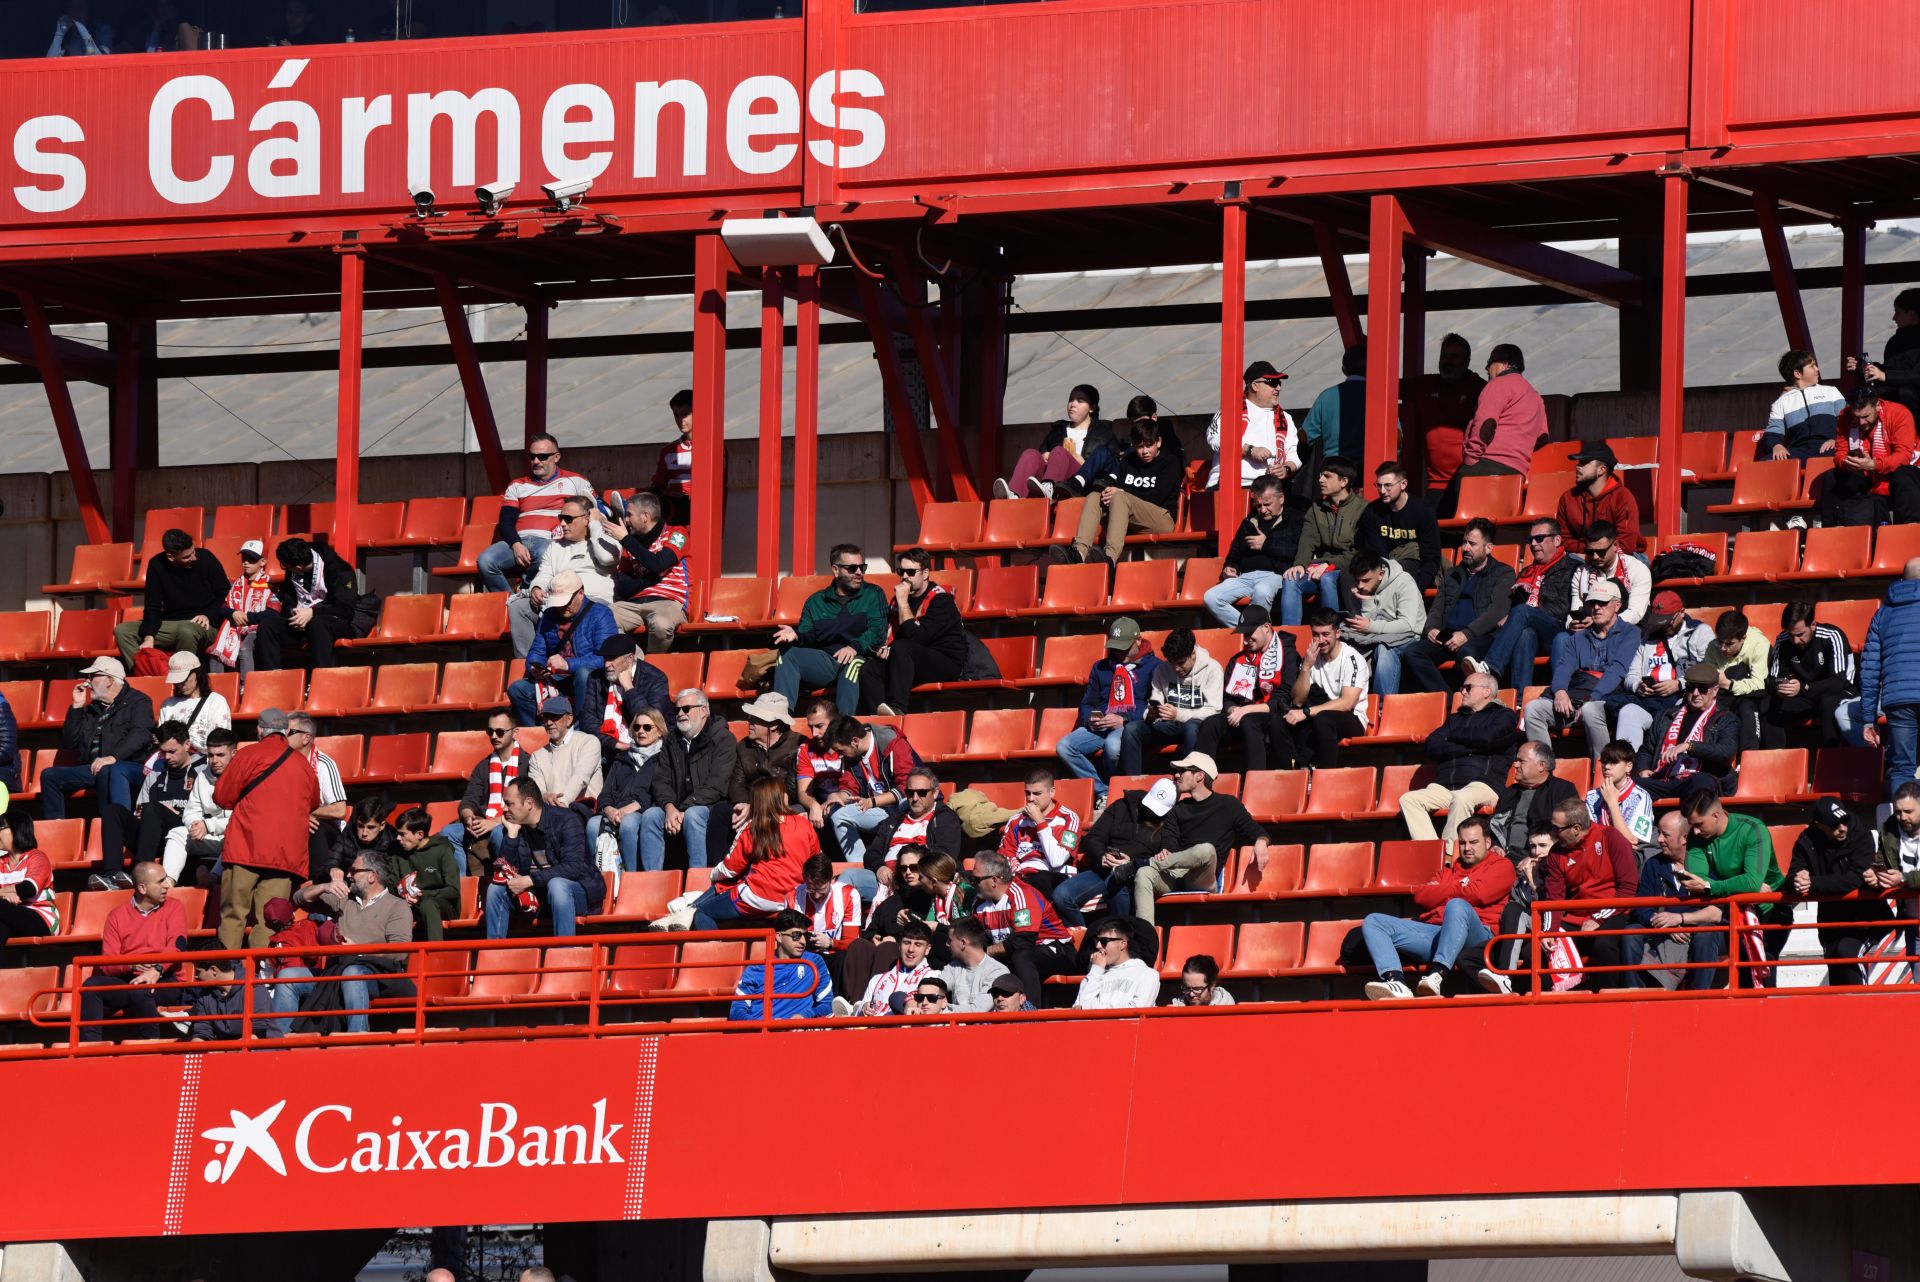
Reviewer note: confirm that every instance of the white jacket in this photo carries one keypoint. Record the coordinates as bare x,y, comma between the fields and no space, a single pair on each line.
1639,585
593,559
1394,613
201,807
1132,985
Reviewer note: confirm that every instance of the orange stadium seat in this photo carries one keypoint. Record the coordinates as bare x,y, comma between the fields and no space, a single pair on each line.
22,985
1341,792
1337,867
1322,955
1280,872
23,697
1852,618
405,687
63,841
347,751
682,669
1893,547
1068,660
566,975
473,616
1835,552
456,753
1274,796
959,581
1263,949
790,597
1771,776
641,968
1762,555
709,968
379,525
96,567
434,522
84,633
283,688
1762,485
243,521
161,519
473,686
997,733
936,735
641,896
947,526
1199,574
474,540
1071,588
1215,940
1408,718
745,600
1405,864
499,974
999,590
1705,455
305,520
24,633
1014,523
1065,523
404,619
723,673
1139,586
1495,497
394,757
1544,493
340,692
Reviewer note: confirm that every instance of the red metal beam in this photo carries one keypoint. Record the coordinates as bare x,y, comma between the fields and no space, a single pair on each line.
773,362
893,382
65,421
346,485
1339,284
1853,292
538,353
806,419
941,398
711,264
1793,313
1230,500
460,337
1518,256
1385,243
1707,75
1673,351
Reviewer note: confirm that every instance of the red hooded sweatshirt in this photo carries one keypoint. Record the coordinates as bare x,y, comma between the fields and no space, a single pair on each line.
1485,886
1579,510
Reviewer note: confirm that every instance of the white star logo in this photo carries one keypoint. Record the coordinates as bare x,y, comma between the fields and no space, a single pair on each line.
246,1135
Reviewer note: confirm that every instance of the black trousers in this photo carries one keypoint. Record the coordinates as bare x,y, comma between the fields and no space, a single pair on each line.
134,1003
17,921
1032,963
1254,737
1783,714
908,664
1420,664
1843,946
1315,740
1846,498
277,635
124,834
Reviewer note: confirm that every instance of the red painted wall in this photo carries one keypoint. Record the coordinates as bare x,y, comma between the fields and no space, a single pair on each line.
1235,1107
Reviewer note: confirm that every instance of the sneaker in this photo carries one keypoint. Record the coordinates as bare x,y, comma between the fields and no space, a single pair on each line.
1495,983
121,881
1478,667
1387,990
1045,488
842,1008
1430,986
1796,522
1001,490
98,882
887,710
615,503
1066,554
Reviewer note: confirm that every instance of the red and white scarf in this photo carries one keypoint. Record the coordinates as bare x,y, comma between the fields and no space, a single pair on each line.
1534,575
1254,673
1660,663
612,724
673,585
1120,693
251,595
1680,769
499,774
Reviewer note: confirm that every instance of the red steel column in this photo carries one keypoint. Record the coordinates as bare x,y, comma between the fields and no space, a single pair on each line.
906,429
346,484
60,404
1793,313
536,416
806,418
1346,314
773,353
1673,353
486,429
711,263
1386,240
1230,500
1853,292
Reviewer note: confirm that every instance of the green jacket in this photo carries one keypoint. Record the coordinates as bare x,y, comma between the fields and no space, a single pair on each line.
829,620
1888,855
432,866
1739,861
1330,536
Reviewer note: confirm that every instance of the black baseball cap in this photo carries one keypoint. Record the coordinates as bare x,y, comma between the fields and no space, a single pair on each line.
1252,619
1829,813
1597,452
1262,371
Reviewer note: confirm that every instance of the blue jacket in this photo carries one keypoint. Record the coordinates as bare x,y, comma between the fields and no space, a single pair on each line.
1657,879
801,987
1890,660
1610,657
9,746
563,839
1100,686
594,627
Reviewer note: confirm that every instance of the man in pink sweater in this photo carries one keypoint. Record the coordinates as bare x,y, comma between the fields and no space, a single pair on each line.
1509,422
150,922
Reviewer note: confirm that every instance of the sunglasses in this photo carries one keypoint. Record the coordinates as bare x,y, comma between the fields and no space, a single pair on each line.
852,567
920,792
542,458
791,934
927,997
1104,940
686,707
1542,538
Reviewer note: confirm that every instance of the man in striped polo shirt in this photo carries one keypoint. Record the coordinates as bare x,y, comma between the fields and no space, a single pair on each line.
1024,931
529,515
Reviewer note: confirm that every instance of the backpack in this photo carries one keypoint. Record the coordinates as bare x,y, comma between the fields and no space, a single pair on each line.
1683,561
979,664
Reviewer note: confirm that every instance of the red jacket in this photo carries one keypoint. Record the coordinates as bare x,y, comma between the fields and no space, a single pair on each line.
127,930
269,829
1901,445
1485,886
1579,510
1602,866
761,886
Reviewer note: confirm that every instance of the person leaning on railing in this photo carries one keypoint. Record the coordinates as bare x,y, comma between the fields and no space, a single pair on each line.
1833,857
1676,934
1732,854
151,921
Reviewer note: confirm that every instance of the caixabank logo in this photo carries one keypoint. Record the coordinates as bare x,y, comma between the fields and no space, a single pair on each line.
327,1139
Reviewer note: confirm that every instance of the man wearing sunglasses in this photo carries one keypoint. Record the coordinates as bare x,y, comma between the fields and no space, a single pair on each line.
483,806
565,656
1116,979
579,545
929,997
841,627
802,988
1543,597
528,514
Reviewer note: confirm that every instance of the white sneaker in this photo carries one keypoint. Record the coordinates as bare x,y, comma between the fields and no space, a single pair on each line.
1476,666
1495,983
1796,522
842,1008
1386,990
1001,490
1430,986
1043,488
886,710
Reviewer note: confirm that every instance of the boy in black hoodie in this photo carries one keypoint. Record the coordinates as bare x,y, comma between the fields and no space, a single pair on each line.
1140,491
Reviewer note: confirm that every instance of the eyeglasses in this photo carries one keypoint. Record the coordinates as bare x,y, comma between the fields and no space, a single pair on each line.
686,707
903,866
1572,827
1188,990
1542,538
921,792
498,732
571,519
305,734
851,567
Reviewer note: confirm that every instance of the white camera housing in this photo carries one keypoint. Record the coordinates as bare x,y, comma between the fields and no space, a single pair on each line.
422,196
568,194
493,196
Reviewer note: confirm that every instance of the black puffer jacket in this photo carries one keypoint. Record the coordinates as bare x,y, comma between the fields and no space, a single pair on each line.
124,727
697,774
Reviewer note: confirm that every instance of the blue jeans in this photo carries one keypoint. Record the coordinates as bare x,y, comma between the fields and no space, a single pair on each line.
356,996
1079,745
628,835
815,670
1903,729
1389,938
1706,944
653,836
497,564
1294,592
1517,644
287,997
1136,737
1386,666
864,884
850,826
563,899
1070,896
113,786
1258,586
576,685
715,911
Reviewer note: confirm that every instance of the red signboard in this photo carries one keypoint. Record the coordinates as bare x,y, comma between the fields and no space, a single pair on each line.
1204,1107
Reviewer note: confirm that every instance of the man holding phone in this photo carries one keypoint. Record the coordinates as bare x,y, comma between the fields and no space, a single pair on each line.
1732,854
1873,467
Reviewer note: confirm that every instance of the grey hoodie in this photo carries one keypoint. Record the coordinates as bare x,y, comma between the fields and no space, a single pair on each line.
967,986
1395,612
1194,696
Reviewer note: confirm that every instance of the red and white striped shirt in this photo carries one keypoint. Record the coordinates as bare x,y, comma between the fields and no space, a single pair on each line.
1020,908
673,585
674,474
909,832
1047,846
835,914
33,866
811,763
538,503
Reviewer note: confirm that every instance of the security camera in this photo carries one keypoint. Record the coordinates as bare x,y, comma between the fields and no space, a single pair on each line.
493,196
566,195
422,199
